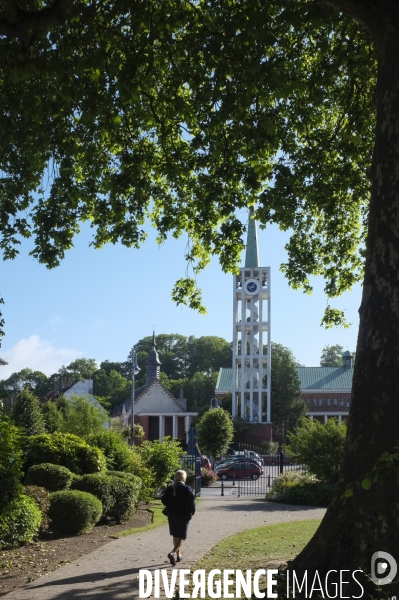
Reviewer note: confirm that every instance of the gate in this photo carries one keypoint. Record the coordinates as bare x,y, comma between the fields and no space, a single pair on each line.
192,461
273,465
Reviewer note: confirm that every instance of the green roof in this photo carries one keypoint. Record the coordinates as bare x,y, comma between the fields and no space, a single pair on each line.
311,378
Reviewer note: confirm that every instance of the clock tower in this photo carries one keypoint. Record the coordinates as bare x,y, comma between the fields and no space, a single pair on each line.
251,335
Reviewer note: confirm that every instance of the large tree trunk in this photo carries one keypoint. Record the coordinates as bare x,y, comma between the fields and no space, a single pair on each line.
356,527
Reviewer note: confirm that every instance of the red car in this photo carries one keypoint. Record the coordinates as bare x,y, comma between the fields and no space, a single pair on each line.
242,470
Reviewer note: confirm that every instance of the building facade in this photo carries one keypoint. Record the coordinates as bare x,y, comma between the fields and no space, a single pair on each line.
155,408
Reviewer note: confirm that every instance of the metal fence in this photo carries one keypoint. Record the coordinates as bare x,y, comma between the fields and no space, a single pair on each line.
192,464
273,465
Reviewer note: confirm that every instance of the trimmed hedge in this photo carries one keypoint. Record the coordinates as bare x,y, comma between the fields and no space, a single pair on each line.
49,476
42,497
118,495
64,449
19,522
74,511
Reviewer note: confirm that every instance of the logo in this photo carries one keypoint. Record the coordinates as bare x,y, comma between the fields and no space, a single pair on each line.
383,568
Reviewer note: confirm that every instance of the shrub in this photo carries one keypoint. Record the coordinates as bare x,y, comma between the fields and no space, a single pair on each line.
19,521
162,459
82,416
190,476
115,449
42,497
118,495
126,498
74,511
10,463
51,477
320,447
64,449
289,479
99,485
316,493
207,477
300,488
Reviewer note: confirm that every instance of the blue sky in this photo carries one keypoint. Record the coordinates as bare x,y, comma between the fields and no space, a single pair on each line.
98,303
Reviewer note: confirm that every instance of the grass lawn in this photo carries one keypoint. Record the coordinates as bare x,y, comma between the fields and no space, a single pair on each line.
254,547
155,507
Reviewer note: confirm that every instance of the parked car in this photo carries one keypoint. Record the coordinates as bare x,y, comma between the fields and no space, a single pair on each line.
233,460
241,469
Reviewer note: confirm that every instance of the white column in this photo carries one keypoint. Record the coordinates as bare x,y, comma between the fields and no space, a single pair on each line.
311,417
187,426
161,427
325,418
174,430
340,418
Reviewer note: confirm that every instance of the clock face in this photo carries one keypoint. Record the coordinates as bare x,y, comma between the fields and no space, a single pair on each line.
251,287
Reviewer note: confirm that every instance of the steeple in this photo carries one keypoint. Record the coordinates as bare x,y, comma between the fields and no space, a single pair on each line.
153,363
252,253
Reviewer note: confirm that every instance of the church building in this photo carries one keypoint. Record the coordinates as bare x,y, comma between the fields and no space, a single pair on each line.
155,408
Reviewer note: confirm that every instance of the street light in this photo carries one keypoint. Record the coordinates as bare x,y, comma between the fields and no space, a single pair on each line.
135,371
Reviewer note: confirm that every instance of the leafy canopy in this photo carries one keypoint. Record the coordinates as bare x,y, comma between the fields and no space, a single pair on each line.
320,447
215,431
182,113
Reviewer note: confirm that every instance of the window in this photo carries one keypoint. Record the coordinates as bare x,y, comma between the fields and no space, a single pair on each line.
314,401
348,403
341,402
329,402
335,402
307,400
321,402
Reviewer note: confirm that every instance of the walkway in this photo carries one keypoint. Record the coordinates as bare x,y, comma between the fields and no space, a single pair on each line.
111,572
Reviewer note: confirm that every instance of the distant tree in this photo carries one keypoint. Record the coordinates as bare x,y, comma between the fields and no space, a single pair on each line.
331,356
83,417
81,368
215,432
198,390
26,378
124,368
207,354
26,413
53,417
286,401
112,386
320,447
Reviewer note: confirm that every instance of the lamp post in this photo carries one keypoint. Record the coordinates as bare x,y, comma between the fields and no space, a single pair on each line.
135,371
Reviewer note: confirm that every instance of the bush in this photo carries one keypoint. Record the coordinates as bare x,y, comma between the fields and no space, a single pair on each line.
74,511
27,414
115,449
207,477
289,479
51,477
162,459
42,497
118,495
10,463
300,488
317,493
320,447
19,521
64,449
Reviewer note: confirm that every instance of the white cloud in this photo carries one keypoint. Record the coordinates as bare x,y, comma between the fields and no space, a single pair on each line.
36,354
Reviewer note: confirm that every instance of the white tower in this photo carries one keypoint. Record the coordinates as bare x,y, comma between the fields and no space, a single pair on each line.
251,335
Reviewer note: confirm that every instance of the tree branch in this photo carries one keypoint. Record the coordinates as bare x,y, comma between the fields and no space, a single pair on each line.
16,23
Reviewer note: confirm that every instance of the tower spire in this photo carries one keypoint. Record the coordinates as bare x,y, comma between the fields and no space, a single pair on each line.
252,252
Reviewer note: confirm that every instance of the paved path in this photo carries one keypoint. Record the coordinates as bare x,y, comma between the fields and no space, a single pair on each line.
111,572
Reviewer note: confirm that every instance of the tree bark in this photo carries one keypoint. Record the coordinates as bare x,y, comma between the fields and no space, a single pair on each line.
356,527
